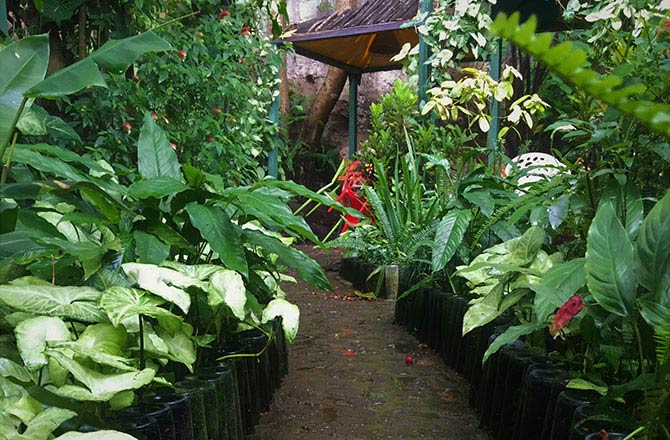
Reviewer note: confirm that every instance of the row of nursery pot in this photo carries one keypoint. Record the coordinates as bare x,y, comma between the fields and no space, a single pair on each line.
222,399
517,392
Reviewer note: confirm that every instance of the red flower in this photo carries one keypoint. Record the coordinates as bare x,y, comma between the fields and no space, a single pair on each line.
666,24
154,115
127,127
246,30
216,111
409,360
181,54
565,313
173,146
224,13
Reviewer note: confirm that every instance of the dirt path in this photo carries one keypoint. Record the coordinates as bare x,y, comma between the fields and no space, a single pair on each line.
348,376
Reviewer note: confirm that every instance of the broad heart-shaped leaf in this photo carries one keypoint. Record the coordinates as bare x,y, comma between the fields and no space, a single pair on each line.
74,302
449,236
558,284
104,338
24,64
32,336
227,287
155,157
525,248
149,248
290,314
483,310
122,302
9,368
115,55
652,251
43,424
200,272
179,344
609,269
308,269
97,435
99,386
222,235
510,335
164,282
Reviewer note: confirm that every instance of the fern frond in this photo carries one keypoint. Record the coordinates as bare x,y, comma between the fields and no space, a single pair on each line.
662,338
389,230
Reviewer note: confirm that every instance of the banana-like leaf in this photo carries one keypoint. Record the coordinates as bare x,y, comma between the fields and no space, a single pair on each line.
121,303
115,56
166,283
24,64
32,336
74,302
156,187
652,251
290,314
449,236
222,235
155,157
609,263
307,268
100,387
227,287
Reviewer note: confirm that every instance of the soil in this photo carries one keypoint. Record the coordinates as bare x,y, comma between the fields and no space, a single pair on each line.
349,377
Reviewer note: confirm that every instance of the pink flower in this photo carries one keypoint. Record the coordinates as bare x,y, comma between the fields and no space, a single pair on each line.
246,30
565,313
224,13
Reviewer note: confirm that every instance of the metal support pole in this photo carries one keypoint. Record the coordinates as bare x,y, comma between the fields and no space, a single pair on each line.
354,81
273,157
3,17
496,60
425,7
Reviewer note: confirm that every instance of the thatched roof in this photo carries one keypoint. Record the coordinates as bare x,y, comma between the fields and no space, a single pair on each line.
359,40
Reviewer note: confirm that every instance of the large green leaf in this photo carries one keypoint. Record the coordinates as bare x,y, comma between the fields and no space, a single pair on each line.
652,250
32,336
97,435
307,268
102,344
180,346
157,187
43,424
510,335
9,368
609,269
122,303
525,248
99,386
449,236
155,157
557,285
149,248
74,302
227,287
290,314
222,235
24,64
483,310
164,282
115,55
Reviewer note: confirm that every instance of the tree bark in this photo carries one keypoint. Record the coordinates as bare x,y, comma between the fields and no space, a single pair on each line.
325,99
81,49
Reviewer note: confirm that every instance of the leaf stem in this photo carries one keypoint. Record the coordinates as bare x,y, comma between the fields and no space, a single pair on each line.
142,359
5,169
12,127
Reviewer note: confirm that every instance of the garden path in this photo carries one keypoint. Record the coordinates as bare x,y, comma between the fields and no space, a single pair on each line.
348,376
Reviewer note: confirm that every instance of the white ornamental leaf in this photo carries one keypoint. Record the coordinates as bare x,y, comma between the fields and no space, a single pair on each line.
163,282
227,287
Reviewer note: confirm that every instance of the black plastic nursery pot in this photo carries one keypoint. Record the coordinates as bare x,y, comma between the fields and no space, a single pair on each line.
586,425
566,404
204,418
249,395
142,428
540,389
180,404
230,414
218,405
255,342
142,415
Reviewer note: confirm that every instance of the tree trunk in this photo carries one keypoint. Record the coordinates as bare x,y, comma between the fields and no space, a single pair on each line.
325,99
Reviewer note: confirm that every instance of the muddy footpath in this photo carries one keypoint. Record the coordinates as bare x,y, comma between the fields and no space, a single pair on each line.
355,375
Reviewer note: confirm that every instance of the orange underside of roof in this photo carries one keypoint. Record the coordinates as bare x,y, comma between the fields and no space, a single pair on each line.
363,52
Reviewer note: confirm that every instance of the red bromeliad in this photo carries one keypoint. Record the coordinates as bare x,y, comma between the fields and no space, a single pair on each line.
352,182
565,313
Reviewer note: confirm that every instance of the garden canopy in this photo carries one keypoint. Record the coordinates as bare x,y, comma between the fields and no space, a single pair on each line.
358,40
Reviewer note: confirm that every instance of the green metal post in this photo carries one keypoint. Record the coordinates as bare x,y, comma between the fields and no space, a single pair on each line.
3,17
494,129
425,7
354,81
273,157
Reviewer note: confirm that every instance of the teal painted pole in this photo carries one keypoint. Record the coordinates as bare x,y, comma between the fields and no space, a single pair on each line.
496,60
273,157
354,81
3,17
425,7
